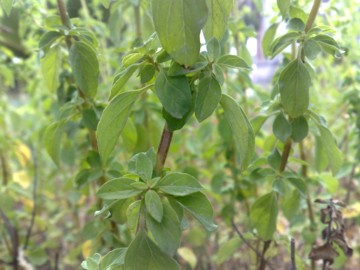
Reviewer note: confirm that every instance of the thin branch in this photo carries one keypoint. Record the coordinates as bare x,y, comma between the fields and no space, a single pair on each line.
4,168
250,246
163,150
313,13
14,239
263,260
33,213
292,254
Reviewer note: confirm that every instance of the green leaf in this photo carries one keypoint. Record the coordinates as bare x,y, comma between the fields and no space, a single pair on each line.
311,49
52,140
116,257
179,184
132,215
147,72
143,253
121,79
213,48
85,67
167,233
274,159
282,42
141,165
299,184
154,205
227,250
92,263
329,182
268,39
175,123
118,188
263,215
321,160
7,6
232,61
178,25
48,39
174,94
50,64
291,204
178,70
284,6
296,24
242,131
294,84
131,59
219,12
281,128
300,129
198,205
333,153
207,98
327,43
113,120
296,12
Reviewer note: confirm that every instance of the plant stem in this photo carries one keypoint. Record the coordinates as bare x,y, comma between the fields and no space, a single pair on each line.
4,168
263,260
33,212
313,14
137,21
292,252
285,155
163,150
248,244
63,14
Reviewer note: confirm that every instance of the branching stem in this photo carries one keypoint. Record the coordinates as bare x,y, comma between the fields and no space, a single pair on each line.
163,150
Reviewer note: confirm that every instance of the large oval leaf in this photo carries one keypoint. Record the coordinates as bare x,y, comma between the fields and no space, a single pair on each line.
219,11
178,24
241,129
119,188
143,253
174,94
263,215
294,84
85,67
113,120
207,98
179,184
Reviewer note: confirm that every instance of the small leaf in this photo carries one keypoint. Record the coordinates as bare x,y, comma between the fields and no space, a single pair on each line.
113,120
198,205
311,49
299,184
132,215
179,184
291,204
232,61
52,140
294,84
213,48
141,165
227,250
296,24
166,233
175,123
131,59
207,98
284,6
48,39
300,129
121,79
50,65
282,42
333,153
85,67
154,205
268,39
118,188
241,129
116,257
174,94
143,253
219,12
263,215
179,30
281,128
147,72
327,43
